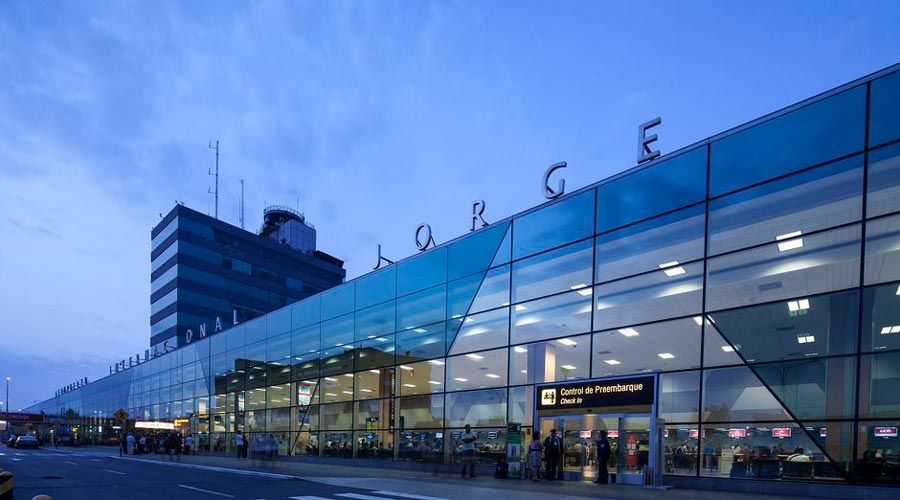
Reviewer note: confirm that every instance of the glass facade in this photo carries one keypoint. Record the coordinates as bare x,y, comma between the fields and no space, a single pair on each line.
756,273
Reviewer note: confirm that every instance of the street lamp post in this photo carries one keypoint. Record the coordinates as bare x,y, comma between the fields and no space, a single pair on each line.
7,398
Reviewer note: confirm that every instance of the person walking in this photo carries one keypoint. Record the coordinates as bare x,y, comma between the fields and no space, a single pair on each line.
188,444
553,452
534,456
468,439
129,440
239,444
603,453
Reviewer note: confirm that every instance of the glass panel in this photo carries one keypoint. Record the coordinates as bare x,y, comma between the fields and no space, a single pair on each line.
808,201
336,416
374,444
881,318
375,352
493,292
558,270
421,343
557,224
375,321
668,185
884,123
643,247
554,361
421,412
882,250
792,267
306,312
338,300
337,388
812,134
425,446
376,287
426,270
278,396
374,383
477,370
681,445
879,376
278,322
477,408
421,378
521,405
337,332
735,394
278,348
305,340
878,452
336,444
883,188
373,414
256,398
235,338
475,252
255,330
669,345
422,308
667,293
481,331
813,389
679,396
337,360
563,314
798,328
305,366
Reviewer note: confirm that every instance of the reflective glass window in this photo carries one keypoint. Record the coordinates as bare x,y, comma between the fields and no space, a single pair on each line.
424,377
255,330
667,185
372,353
422,342
336,388
735,395
668,345
560,360
882,250
884,123
305,366
278,396
376,287
809,201
306,312
373,414
478,292
335,416
797,328
815,388
883,181
305,340
879,378
421,412
806,136
521,405
881,318
878,450
374,383
676,237
475,252
554,225
256,398
555,271
477,370
556,316
278,348
422,308
477,408
375,321
338,331
338,359
480,331
338,300
666,293
679,396
423,271
794,266
278,322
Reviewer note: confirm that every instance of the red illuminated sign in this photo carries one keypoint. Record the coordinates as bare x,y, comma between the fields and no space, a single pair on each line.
693,433
885,432
781,432
737,433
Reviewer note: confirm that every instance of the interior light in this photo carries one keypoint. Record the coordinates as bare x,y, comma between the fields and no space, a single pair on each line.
347,392
520,307
434,382
666,355
789,241
727,348
568,342
672,268
583,289
629,332
568,367
382,339
798,305
365,390
407,368
524,371
698,320
409,385
460,379
475,357
419,330
505,304
528,321
475,331
805,338
436,362
331,379
492,375
469,320
898,290
307,382
376,372
611,362
521,350
456,316
349,375
370,337
331,394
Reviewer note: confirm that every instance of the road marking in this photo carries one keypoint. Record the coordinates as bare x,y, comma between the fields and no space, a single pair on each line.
16,459
270,475
114,471
205,491
359,496
309,497
94,460
71,463
406,495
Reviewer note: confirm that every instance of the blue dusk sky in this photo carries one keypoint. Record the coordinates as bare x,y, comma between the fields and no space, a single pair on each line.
377,115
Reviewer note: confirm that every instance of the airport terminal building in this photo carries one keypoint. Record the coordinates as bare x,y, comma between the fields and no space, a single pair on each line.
729,312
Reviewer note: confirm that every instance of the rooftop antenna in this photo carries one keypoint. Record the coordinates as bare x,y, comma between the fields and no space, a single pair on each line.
216,192
242,203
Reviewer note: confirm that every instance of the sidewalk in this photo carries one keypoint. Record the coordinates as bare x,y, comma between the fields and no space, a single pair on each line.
419,482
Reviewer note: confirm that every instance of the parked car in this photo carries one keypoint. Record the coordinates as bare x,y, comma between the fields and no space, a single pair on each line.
11,442
27,442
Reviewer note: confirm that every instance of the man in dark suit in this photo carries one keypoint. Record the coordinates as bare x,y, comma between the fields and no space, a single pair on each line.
553,451
603,452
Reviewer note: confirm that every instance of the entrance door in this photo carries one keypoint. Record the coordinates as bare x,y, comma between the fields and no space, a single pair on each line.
633,452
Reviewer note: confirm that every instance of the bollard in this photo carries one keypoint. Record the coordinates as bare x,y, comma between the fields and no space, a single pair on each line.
6,485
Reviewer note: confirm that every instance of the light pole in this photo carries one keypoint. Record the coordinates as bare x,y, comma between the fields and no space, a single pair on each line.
7,398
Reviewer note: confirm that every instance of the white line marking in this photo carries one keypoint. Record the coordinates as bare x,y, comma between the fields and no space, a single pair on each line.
308,497
359,496
17,459
114,471
406,495
270,475
71,463
205,491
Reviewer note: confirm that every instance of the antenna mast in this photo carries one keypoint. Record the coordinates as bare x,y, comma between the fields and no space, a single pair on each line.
216,174
242,203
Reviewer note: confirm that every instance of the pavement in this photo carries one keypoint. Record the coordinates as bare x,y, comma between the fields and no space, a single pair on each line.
100,474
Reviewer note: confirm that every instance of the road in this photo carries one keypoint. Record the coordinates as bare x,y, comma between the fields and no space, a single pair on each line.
71,474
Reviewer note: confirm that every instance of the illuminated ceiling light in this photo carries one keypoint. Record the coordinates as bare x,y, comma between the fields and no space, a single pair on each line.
568,342
456,316
805,338
491,375
898,291
528,321
568,367
666,355
349,375
409,385
331,379
376,372
366,390
611,362
505,304
382,339
405,367
890,329
727,348
310,382
524,371
434,382
798,305
460,379
331,394
521,350
475,357
789,241
419,330
629,332
348,392
475,331
672,268
520,307
583,289
698,320
437,362
339,344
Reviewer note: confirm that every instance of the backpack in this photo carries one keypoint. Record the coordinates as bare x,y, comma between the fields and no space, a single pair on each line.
501,471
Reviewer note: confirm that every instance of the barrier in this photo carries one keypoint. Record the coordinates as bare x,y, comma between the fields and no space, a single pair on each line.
6,485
